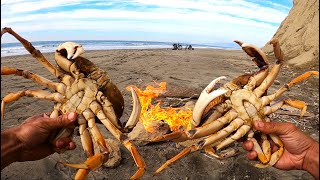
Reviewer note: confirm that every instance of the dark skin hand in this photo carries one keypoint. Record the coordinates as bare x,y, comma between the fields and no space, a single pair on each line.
300,150
29,141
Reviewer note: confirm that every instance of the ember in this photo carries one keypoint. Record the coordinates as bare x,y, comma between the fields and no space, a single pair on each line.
174,117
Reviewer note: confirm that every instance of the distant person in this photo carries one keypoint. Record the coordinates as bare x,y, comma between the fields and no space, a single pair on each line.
300,151
190,47
175,46
30,140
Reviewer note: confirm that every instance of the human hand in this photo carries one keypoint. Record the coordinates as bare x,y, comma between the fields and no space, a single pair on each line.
35,132
300,150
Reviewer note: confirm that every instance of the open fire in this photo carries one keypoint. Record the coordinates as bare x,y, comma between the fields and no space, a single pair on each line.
175,117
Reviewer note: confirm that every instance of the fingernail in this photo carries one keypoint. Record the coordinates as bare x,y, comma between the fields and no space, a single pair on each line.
72,116
259,124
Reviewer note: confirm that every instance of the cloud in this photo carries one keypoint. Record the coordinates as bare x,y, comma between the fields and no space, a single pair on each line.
201,21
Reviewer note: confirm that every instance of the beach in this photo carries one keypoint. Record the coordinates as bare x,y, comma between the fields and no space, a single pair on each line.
186,72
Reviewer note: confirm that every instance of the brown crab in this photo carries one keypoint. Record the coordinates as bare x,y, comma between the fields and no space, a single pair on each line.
86,89
236,105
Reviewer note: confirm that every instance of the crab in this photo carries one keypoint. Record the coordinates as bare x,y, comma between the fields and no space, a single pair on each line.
224,115
86,89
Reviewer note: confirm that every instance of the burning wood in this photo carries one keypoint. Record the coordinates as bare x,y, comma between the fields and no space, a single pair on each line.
156,120
176,118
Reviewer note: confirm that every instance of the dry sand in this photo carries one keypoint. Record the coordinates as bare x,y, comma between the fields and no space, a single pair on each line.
187,73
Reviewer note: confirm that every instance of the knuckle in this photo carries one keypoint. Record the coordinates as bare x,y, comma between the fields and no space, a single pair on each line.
270,126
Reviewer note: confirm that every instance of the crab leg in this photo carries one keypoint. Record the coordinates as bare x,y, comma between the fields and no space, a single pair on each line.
87,141
256,147
94,160
184,152
294,103
201,131
276,155
108,109
34,52
59,87
90,117
91,163
40,94
267,99
235,124
204,143
267,82
97,109
85,137
212,127
239,134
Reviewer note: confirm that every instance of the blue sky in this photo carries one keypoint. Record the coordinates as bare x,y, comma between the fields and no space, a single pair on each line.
191,21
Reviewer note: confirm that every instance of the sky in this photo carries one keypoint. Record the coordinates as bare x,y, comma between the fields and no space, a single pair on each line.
189,21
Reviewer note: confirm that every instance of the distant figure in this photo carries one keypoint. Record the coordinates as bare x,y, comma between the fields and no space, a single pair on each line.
177,46
189,47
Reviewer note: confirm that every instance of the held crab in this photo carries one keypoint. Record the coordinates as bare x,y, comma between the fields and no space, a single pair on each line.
229,111
87,90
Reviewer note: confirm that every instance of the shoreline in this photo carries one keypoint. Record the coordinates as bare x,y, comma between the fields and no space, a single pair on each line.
136,49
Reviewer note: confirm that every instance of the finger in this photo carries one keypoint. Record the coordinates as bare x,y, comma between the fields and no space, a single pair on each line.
274,127
62,121
61,142
252,155
247,145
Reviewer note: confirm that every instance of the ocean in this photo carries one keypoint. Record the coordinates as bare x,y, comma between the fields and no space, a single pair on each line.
12,49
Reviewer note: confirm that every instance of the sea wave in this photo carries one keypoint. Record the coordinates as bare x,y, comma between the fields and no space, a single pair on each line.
12,49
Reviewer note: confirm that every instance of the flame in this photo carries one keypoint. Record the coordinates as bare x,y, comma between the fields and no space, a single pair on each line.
174,117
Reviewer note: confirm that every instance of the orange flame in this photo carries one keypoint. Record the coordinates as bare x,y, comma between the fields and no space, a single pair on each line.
174,117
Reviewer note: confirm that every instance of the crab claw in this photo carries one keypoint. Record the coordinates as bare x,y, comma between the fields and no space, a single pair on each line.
258,55
65,52
73,49
206,96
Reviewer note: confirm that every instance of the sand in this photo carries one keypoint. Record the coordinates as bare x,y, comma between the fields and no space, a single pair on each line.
187,73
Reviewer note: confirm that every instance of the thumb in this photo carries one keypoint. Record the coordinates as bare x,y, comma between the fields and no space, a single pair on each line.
62,120
274,127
